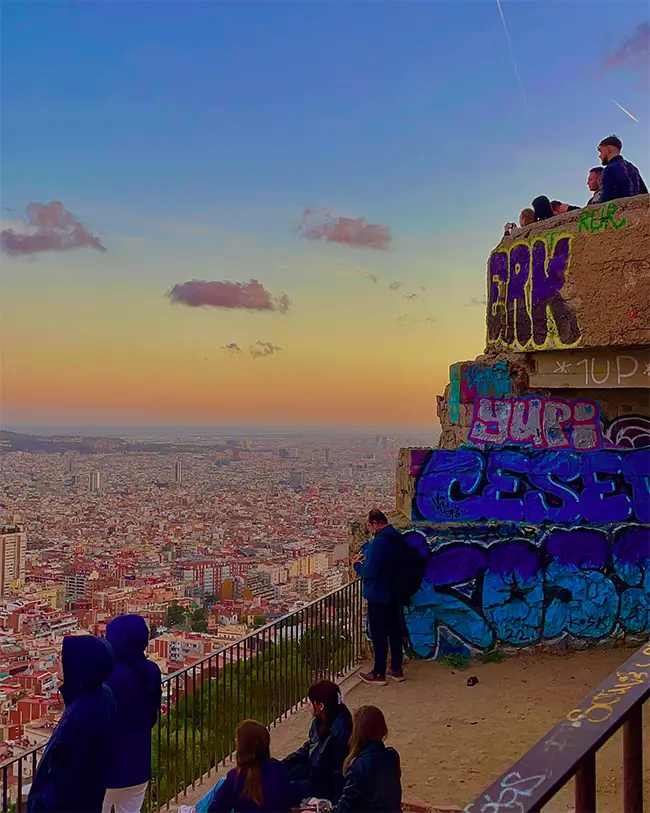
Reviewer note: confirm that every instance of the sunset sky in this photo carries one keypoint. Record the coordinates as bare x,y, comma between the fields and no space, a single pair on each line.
189,138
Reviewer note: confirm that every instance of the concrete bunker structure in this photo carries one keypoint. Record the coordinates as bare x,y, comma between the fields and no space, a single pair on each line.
534,509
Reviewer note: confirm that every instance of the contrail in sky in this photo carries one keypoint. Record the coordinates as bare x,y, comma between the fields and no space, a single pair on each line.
627,112
514,62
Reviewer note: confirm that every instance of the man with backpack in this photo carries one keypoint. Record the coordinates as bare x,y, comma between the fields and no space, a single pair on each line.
385,587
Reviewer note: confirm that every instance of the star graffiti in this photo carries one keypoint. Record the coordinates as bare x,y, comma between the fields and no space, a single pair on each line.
564,367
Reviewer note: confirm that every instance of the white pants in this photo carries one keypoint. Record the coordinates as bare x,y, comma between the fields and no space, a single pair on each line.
125,800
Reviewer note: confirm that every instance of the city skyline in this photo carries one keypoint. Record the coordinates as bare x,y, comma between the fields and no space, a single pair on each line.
276,220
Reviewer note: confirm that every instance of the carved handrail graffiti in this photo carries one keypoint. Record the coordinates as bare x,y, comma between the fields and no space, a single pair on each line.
569,749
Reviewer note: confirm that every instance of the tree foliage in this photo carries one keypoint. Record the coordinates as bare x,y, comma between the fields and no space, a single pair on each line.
175,615
261,678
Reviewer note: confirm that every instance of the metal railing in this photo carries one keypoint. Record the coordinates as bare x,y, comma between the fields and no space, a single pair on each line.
569,750
264,675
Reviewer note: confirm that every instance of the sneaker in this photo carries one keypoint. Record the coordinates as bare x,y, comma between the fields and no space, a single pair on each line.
371,677
397,675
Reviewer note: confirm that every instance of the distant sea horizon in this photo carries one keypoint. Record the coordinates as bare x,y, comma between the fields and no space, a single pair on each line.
115,430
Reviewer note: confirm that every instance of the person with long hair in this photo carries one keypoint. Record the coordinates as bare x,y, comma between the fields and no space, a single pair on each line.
316,768
258,783
372,772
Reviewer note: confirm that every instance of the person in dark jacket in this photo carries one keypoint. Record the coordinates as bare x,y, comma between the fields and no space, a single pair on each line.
136,686
620,178
380,570
316,768
542,208
72,775
372,771
258,783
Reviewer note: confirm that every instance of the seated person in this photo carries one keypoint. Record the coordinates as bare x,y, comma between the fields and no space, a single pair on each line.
593,184
620,179
316,769
542,208
560,208
526,218
372,771
258,783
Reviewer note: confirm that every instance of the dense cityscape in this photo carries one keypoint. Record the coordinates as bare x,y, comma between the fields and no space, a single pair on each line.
205,537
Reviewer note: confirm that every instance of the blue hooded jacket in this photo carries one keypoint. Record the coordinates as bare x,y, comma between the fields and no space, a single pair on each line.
72,775
136,685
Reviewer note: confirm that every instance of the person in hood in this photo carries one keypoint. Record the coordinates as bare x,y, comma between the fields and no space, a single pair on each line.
72,775
372,771
316,768
137,686
258,783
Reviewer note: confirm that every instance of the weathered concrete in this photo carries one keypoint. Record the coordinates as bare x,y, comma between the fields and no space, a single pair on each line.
602,256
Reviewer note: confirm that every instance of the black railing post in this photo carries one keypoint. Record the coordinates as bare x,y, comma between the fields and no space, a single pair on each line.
633,761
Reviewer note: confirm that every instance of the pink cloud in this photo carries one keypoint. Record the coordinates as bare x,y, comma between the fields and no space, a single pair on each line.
319,224
251,295
48,227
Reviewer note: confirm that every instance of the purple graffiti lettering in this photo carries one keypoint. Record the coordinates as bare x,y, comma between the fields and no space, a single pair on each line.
581,548
518,323
600,500
597,487
525,303
496,318
636,471
548,281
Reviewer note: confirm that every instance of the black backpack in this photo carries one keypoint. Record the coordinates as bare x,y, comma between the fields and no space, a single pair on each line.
412,572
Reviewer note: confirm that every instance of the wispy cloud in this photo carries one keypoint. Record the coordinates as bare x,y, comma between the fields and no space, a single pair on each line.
250,295
633,52
395,286
364,272
47,227
407,317
320,224
233,348
410,297
263,349
475,301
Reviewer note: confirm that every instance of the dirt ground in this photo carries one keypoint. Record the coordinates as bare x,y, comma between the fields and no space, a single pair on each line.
454,739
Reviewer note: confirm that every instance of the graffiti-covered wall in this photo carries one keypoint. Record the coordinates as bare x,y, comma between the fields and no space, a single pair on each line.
534,511
519,586
549,285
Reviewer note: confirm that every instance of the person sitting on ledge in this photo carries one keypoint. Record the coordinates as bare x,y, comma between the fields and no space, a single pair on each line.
526,218
542,208
593,184
258,783
316,768
372,771
560,208
620,179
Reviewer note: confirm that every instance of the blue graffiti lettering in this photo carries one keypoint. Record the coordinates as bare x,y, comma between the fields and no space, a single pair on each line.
581,582
595,487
